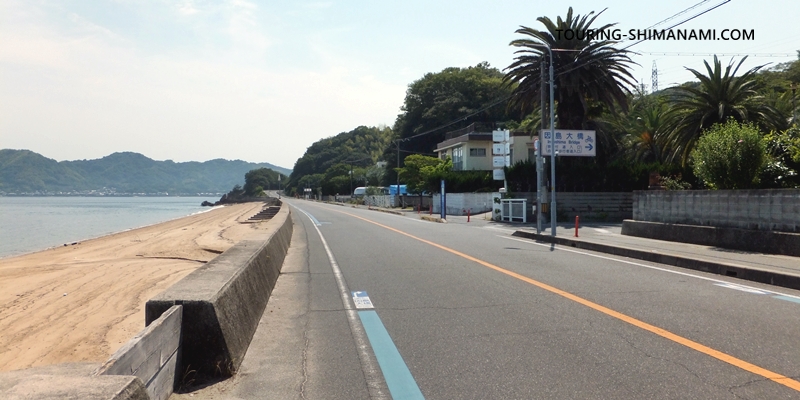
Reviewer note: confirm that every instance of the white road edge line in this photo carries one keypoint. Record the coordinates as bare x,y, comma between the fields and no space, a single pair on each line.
653,267
372,373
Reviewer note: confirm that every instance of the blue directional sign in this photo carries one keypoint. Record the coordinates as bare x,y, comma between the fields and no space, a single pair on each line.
570,143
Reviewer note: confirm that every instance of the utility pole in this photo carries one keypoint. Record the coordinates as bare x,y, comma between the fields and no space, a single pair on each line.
552,148
539,163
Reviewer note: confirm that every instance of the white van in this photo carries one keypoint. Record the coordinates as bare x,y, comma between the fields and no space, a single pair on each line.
360,191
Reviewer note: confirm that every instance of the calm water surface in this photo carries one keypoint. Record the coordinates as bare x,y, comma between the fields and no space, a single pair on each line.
30,224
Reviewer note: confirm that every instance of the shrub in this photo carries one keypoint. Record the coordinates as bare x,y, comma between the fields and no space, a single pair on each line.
729,156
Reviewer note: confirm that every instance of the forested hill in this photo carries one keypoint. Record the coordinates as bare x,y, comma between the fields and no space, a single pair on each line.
23,171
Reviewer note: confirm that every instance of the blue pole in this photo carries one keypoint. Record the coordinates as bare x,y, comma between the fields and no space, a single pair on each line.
443,202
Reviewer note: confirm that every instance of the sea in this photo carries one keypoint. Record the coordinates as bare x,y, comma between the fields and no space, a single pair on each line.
29,224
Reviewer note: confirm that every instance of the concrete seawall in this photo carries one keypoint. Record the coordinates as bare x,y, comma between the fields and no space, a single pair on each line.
223,302
204,338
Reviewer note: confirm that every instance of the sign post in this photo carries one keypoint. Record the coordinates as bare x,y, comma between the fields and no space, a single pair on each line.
501,157
564,142
443,202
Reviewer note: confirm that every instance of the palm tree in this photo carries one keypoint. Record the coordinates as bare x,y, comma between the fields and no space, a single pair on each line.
645,127
587,70
718,97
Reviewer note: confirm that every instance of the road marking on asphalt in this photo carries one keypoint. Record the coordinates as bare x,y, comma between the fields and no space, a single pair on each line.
787,298
740,288
399,379
376,384
755,369
705,278
361,300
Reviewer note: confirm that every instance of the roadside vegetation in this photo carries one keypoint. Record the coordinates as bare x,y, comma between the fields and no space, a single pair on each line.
728,128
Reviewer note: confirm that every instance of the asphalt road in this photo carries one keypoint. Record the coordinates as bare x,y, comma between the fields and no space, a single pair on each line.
476,314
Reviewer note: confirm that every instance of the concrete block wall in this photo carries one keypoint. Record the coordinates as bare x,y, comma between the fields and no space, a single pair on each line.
768,209
606,206
459,203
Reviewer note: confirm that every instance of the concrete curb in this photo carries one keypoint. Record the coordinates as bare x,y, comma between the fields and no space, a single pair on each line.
386,210
433,219
738,271
223,302
770,242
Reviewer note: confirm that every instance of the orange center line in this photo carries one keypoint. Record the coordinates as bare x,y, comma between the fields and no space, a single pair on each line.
755,369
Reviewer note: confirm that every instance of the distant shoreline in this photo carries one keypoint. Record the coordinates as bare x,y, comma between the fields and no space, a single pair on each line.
104,235
112,195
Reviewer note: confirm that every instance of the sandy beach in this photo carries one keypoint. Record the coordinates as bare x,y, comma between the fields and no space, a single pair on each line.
82,302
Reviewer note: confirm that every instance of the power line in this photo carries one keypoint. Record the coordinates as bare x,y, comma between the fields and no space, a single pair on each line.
682,22
682,54
570,68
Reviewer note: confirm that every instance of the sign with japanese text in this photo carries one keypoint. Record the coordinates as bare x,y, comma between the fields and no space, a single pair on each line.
570,143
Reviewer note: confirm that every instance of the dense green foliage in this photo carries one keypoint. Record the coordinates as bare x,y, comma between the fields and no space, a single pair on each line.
23,171
337,163
729,156
719,97
445,101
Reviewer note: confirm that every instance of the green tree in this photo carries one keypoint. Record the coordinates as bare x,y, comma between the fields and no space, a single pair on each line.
360,147
783,163
257,180
643,129
729,156
447,99
719,97
588,71
415,171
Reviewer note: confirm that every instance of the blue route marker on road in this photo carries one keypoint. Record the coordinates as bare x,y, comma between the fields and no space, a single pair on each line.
787,298
395,371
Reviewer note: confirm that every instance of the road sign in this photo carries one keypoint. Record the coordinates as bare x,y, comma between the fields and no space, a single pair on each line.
571,143
501,161
500,136
501,150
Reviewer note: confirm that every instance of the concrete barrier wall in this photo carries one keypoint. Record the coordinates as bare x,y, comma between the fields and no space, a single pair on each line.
151,355
761,241
768,210
223,302
607,206
459,203
603,206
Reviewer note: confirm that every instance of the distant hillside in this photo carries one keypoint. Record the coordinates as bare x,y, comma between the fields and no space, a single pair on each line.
29,172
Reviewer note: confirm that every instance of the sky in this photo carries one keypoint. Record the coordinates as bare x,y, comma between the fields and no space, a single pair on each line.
260,81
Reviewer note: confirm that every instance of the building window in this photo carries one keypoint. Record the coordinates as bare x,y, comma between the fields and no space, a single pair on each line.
477,152
458,158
